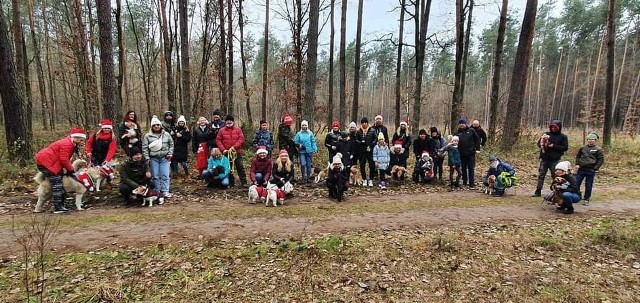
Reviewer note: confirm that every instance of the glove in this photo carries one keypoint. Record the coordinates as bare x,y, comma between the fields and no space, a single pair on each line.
333,148
179,135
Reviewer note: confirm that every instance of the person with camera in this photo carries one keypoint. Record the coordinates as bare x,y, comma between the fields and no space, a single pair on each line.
217,173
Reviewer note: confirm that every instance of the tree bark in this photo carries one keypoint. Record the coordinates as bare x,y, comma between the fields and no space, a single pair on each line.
422,15
511,128
331,70
312,61
184,51
168,49
245,86
106,59
123,89
230,106
265,63
222,63
497,68
608,105
17,135
467,43
398,91
342,61
356,65
44,101
457,105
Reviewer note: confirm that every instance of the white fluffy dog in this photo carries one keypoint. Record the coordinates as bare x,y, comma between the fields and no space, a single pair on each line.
257,194
70,185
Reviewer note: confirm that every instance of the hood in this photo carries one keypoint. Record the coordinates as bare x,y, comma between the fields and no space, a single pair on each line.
558,123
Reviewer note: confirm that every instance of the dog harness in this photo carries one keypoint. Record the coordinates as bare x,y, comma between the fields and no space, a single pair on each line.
262,192
86,180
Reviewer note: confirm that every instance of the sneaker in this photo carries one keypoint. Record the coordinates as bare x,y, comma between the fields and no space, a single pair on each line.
383,185
586,202
536,194
168,195
370,183
60,210
473,187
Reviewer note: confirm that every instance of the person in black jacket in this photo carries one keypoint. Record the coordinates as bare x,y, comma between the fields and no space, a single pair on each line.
345,147
133,173
436,144
181,146
552,144
480,131
366,138
589,159
421,144
403,134
331,140
469,147
379,127
203,133
285,137
355,152
283,170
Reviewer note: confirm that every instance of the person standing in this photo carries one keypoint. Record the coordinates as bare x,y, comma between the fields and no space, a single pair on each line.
469,147
129,132
331,140
480,131
133,173
308,147
263,138
181,149
355,150
216,119
230,140
157,148
285,137
403,134
169,123
54,159
436,143
380,128
589,159
101,146
552,144
366,140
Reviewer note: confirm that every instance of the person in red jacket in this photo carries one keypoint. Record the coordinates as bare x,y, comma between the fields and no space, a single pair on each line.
231,137
260,167
55,159
101,146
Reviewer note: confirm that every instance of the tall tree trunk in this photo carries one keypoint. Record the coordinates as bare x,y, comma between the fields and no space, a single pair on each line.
222,63
422,14
168,49
457,105
519,77
17,135
143,67
230,106
399,62
22,66
39,70
265,63
632,116
356,65
246,93
297,37
106,59
52,87
465,58
497,68
312,61
342,61
331,70
123,90
184,51
608,105
86,75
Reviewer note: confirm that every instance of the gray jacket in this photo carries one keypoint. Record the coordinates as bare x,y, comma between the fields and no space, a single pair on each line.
165,150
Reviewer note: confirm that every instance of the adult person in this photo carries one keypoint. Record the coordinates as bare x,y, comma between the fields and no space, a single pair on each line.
589,159
403,134
568,187
101,146
218,170
169,123
308,147
503,172
283,170
134,172
436,144
366,139
285,137
380,128
54,161
216,119
260,169
355,150
129,132
552,144
181,147
469,147
157,148
480,131
230,140
202,133
331,140
263,138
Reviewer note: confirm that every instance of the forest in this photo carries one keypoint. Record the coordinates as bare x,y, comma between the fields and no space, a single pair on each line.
74,62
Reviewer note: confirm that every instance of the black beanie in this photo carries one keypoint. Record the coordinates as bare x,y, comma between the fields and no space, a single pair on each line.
134,151
216,112
422,132
262,122
228,118
433,129
364,119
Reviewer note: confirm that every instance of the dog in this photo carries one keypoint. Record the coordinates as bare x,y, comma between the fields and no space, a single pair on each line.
354,177
70,185
554,197
99,174
130,133
148,195
257,194
544,142
398,172
320,174
490,189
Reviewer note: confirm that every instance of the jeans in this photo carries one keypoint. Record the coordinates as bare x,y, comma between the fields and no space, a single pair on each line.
468,169
260,178
569,198
160,170
306,165
589,175
175,169
542,171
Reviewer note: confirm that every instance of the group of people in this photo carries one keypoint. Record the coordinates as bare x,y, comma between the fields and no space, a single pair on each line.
368,149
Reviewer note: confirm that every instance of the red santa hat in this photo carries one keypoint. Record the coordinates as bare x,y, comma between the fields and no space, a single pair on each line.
261,150
404,122
106,123
78,133
397,144
335,124
425,154
283,153
287,120
378,117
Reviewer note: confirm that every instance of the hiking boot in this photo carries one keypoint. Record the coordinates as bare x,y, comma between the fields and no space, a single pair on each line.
568,211
536,194
473,187
60,210
585,202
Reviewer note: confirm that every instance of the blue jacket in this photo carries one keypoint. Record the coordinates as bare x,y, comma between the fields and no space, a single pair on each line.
307,140
381,155
502,167
263,138
223,161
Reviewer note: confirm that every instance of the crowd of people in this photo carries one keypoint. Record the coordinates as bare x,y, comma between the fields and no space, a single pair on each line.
366,151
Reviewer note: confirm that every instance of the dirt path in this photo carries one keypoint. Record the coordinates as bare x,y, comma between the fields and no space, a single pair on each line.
90,238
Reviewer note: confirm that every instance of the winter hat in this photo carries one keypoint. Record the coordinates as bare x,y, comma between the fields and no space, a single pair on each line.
216,112
304,123
78,133
378,117
155,121
422,132
336,124
425,154
397,144
462,121
228,118
337,159
455,138
182,119
262,150
353,125
380,136
283,153
263,122
287,120
344,134
403,122
493,158
134,151
106,123
593,136
564,166
433,129
168,113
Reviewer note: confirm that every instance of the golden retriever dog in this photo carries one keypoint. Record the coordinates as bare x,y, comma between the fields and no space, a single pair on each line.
354,177
70,185
148,195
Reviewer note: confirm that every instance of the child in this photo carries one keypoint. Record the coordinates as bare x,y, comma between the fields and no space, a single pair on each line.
181,148
217,173
260,170
423,171
381,158
308,146
453,160
263,138
588,161
567,184
398,161
338,181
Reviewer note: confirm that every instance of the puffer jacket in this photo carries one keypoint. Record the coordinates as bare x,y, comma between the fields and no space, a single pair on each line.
560,144
345,147
419,146
434,145
590,158
200,135
133,173
276,174
263,138
399,158
381,156
331,141
502,167
57,156
167,145
230,137
366,139
307,142
381,129
222,161
454,155
469,141
181,149
260,166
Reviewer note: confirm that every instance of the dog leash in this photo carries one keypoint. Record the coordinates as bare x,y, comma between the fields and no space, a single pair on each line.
232,155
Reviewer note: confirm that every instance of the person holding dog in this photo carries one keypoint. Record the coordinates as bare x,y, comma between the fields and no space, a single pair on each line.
398,161
423,172
129,132
565,183
157,148
552,144
54,161
134,172
101,146
260,171
283,170
503,173
218,170
589,159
